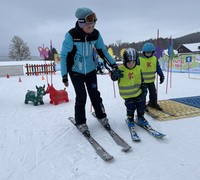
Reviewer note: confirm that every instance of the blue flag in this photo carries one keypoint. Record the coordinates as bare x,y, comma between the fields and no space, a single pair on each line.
170,49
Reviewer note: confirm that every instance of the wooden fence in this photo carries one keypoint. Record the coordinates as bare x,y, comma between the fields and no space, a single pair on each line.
37,69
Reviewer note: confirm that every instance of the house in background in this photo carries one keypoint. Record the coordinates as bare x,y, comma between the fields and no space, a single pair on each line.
189,48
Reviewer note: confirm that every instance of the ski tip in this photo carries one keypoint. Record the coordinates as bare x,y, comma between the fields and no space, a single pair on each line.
70,118
136,140
110,159
163,135
126,149
160,136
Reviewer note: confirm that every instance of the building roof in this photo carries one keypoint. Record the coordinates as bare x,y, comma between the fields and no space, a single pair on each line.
192,47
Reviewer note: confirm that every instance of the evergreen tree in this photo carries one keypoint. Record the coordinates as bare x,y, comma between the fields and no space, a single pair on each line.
54,51
51,54
18,49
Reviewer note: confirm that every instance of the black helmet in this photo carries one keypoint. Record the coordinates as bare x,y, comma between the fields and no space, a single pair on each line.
130,54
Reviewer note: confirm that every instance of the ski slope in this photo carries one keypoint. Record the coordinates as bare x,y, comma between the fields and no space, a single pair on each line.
39,142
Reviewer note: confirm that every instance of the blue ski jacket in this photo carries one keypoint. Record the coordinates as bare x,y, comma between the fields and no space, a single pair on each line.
78,49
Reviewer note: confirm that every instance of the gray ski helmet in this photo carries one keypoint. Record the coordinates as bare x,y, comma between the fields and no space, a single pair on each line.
130,54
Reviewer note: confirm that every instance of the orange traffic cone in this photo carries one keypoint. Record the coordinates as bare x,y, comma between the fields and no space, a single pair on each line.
43,77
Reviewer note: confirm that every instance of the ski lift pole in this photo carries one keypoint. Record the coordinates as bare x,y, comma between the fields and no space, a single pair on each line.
114,89
157,43
45,71
188,70
113,81
157,84
45,67
167,75
171,74
51,58
51,72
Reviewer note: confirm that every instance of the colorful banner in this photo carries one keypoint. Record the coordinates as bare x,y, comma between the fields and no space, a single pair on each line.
182,63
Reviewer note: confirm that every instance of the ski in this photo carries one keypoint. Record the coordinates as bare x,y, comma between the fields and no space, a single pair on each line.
133,133
152,131
98,148
119,141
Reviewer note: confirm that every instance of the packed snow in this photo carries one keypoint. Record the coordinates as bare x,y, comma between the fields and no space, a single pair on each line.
40,143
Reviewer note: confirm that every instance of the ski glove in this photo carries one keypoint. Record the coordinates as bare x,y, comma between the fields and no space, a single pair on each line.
114,66
65,80
162,78
116,74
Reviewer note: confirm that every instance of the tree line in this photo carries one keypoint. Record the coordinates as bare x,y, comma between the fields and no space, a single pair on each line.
19,50
161,42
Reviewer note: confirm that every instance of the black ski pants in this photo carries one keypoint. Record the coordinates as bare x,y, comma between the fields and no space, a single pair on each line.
83,84
152,93
135,104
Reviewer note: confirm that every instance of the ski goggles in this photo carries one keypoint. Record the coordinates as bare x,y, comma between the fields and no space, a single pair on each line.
91,18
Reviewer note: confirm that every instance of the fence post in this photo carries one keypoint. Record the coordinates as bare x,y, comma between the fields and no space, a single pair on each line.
27,71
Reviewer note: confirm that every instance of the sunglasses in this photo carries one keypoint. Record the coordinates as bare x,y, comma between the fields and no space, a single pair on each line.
88,19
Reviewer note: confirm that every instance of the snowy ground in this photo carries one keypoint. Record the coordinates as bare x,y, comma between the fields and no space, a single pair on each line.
39,143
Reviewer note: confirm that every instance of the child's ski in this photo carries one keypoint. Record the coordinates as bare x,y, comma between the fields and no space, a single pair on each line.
133,133
152,131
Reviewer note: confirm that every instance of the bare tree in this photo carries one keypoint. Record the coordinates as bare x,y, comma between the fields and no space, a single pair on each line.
118,43
18,49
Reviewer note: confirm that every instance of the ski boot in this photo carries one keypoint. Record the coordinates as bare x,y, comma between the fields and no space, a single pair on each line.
141,121
130,122
131,125
84,129
155,106
104,122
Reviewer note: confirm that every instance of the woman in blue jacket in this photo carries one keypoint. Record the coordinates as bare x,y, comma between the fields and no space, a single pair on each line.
77,60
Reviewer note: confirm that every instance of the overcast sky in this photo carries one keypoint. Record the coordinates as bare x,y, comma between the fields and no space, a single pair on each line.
39,21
